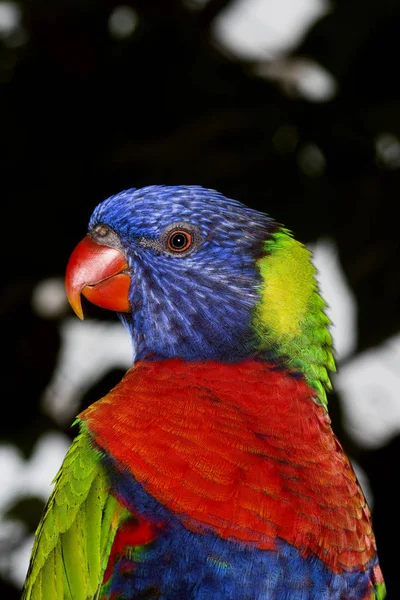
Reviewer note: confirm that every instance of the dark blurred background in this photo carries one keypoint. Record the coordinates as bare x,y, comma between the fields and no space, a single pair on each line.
96,97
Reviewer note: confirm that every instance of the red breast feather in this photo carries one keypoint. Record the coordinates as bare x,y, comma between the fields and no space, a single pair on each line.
241,449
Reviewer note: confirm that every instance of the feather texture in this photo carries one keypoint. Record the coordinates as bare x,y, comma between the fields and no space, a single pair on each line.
74,538
241,450
211,470
290,316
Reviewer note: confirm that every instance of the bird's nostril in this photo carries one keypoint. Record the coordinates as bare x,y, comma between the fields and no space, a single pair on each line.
101,230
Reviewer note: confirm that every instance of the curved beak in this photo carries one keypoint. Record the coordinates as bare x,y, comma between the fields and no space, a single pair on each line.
101,274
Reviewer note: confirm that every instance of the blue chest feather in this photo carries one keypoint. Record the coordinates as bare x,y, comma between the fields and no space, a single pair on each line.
182,565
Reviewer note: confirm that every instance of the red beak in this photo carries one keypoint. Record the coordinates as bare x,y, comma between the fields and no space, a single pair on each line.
98,272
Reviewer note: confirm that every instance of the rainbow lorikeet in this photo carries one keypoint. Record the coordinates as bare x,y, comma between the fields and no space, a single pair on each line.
211,470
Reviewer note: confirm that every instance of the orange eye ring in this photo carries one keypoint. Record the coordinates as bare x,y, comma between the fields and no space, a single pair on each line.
179,240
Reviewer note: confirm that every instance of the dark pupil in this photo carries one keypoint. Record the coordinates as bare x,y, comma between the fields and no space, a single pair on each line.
178,241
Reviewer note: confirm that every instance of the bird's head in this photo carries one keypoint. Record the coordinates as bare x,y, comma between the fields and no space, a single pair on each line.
198,276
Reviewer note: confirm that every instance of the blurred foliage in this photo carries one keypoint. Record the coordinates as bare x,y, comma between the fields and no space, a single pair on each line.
84,114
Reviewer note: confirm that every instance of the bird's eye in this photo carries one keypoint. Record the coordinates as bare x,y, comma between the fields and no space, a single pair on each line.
179,241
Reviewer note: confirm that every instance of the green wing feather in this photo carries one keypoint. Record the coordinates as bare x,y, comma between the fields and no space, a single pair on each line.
380,591
74,538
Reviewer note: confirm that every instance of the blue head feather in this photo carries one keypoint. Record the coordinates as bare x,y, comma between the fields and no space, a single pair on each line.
194,305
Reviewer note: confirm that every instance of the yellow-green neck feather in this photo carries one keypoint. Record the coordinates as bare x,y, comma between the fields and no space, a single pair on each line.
290,317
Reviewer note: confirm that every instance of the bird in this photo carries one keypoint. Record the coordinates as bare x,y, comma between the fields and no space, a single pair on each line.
210,471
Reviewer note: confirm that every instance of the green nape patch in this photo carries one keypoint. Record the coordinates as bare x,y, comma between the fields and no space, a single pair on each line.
290,317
